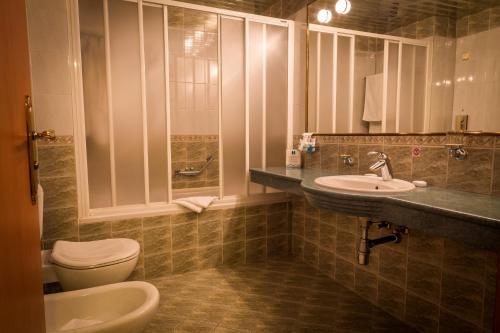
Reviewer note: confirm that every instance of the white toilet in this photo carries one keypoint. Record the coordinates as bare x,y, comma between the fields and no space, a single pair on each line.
80,265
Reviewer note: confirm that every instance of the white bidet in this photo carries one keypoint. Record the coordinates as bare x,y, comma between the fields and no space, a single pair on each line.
124,307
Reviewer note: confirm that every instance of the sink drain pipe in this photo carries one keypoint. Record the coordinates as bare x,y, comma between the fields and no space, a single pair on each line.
365,244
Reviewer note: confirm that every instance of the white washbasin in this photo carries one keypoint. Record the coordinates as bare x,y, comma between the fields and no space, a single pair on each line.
365,184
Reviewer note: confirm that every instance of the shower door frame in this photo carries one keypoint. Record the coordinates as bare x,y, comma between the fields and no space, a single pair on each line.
337,32
88,214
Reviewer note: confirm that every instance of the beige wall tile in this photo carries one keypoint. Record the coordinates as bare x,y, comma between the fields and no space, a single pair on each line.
233,230
462,297
424,280
209,233
233,253
421,314
393,266
183,236
472,174
365,283
311,253
391,298
184,261
210,256
344,272
157,265
431,166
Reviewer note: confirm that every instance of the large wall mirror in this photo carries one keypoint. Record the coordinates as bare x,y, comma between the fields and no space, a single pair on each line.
406,66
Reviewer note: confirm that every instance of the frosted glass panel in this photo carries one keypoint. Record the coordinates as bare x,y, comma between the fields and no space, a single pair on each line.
276,97
156,106
299,74
407,103
343,82
392,83
194,96
364,69
126,95
233,105
326,84
313,71
95,102
420,86
256,35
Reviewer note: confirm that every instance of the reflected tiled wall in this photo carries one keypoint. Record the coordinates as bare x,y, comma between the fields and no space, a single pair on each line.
193,151
284,8
431,26
186,242
485,20
432,283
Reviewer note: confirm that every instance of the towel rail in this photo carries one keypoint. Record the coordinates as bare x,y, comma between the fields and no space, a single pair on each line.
191,172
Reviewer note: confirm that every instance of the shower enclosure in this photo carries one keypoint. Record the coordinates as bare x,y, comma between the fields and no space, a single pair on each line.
177,100
353,72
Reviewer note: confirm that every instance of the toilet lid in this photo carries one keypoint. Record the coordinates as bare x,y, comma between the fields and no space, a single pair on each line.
94,253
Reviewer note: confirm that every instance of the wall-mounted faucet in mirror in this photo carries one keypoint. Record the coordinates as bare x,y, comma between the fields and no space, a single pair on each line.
426,68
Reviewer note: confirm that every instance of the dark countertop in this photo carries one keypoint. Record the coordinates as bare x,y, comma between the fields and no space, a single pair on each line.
457,207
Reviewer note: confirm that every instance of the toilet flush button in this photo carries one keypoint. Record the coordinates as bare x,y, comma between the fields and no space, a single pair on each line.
419,183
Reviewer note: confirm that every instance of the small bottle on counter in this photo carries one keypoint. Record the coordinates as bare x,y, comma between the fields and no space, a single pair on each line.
293,160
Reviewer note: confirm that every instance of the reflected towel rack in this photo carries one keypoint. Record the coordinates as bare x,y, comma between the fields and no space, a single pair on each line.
191,172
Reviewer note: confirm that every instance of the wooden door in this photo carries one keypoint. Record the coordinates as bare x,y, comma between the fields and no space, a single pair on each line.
21,295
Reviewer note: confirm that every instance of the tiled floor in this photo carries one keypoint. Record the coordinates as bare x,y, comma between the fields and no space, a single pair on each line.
277,296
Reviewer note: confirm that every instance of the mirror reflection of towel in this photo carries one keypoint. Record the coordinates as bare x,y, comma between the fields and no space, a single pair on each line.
373,98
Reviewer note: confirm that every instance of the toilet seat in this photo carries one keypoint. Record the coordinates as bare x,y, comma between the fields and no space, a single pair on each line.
94,254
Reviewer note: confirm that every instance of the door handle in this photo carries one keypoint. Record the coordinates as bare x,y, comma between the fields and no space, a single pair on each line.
33,136
47,135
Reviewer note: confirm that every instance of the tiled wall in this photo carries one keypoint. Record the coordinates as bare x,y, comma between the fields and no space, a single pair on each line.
432,283
58,179
190,241
193,151
169,244
50,69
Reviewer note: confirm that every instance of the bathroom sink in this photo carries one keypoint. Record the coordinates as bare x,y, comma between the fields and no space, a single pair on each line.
365,184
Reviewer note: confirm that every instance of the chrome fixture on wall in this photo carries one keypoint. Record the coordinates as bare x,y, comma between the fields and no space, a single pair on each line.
457,151
383,163
347,159
365,244
191,172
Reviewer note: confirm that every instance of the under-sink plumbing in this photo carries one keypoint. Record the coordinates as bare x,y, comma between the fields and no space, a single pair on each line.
365,244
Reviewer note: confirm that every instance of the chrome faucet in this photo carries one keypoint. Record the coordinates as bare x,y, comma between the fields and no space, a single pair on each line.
457,151
383,163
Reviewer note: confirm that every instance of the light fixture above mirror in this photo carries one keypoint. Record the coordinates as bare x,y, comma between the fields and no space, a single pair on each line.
343,7
324,16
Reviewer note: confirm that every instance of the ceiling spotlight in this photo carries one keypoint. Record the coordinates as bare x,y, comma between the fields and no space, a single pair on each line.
343,6
324,16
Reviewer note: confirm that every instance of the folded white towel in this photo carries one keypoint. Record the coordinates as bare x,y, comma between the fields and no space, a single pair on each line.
196,204
373,98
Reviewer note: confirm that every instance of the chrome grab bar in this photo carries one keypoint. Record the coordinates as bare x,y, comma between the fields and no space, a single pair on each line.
191,172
